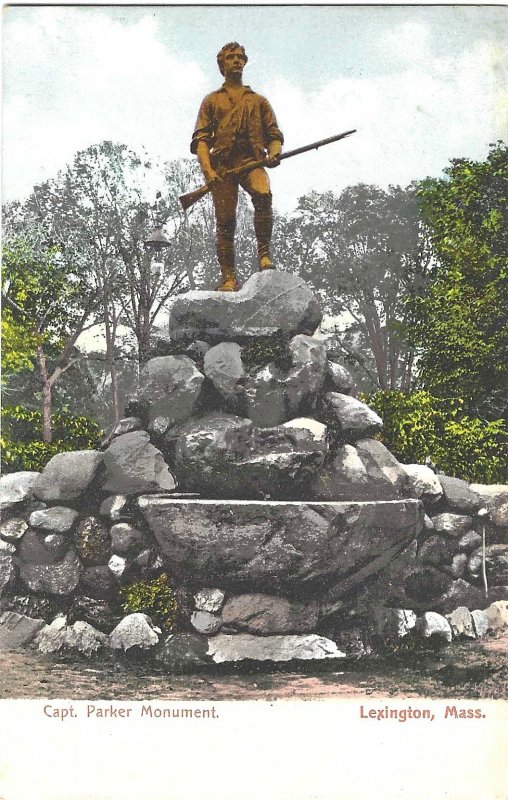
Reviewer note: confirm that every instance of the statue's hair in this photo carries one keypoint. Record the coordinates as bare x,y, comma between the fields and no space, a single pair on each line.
227,47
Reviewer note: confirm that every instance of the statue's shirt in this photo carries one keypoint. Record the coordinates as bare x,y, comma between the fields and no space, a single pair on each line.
235,129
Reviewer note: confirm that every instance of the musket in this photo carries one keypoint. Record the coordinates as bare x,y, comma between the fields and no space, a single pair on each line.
188,200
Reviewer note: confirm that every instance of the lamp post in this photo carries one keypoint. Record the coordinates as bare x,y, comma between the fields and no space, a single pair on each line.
156,240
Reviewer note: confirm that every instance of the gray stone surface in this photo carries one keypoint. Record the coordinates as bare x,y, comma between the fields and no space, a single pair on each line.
497,615
171,385
59,579
269,302
125,425
97,613
316,429
461,623
92,541
135,630
134,466
33,549
7,573
459,593
117,565
424,482
16,488
469,541
495,498
381,465
452,524
209,600
267,545
221,455
57,544
435,625
7,548
13,529
458,565
306,376
354,418
80,637
31,605
242,646
458,495
269,614
499,516
115,507
182,651
480,622
496,562
57,519
339,378
436,550
67,475
346,478
266,397
392,624
99,582
17,630
206,623
224,368
126,539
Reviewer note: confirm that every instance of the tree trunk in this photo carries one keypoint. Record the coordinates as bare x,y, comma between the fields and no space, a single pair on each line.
47,433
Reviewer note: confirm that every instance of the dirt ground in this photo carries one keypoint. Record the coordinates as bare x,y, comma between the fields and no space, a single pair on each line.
476,669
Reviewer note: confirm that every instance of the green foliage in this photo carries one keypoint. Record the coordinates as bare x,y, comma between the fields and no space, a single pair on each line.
417,426
459,323
153,597
21,443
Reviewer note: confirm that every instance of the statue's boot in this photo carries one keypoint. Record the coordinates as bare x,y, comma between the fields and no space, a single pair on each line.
263,224
226,258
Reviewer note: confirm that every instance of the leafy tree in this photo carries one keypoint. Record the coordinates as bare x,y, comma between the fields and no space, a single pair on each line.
461,329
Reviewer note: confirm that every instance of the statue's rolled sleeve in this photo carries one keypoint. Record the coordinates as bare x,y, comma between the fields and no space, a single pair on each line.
203,129
270,126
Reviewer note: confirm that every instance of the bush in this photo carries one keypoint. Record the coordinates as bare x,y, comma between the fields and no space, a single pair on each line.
22,447
418,426
153,597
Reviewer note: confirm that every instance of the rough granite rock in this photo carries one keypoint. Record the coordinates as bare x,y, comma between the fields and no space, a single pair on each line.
461,623
458,495
495,498
99,582
58,636
118,566
135,466
459,593
354,419
67,475
16,488
31,605
434,625
34,550
480,622
306,376
497,615
392,624
17,630
127,540
115,507
266,397
338,379
424,482
223,366
92,541
57,544
59,579
206,623
125,425
7,548
97,613
315,428
209,600
135,630
57,519
452,524
346,478
458,565
264,546
469,541
242,646
182,651
436,550
382,466
268,614
268,303
496,561
171,385
226,456
13,529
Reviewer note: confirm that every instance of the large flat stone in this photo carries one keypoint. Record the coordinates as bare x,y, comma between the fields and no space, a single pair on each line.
246,646
262,546
270,302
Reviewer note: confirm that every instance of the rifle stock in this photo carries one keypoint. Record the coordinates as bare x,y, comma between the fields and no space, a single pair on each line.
188,200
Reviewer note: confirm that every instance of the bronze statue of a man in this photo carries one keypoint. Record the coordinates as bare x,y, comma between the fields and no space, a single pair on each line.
236,125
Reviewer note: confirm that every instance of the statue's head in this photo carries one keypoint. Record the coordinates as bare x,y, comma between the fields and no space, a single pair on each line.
228,48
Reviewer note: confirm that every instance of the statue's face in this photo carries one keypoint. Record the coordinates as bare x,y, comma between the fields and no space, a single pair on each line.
234,62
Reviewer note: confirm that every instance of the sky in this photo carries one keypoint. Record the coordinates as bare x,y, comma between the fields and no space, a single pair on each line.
421,85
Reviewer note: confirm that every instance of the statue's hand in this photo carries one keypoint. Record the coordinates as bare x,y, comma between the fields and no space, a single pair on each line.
212,177
273,160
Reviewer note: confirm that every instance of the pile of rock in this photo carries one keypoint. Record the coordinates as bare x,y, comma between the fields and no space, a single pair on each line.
243,463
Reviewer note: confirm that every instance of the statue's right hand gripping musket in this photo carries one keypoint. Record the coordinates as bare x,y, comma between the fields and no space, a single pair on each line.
188,200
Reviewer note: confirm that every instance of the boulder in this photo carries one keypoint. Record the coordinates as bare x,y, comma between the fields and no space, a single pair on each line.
59,579
7,548
97,613
171,385
17,630
125,425
67,476
57,544
495,498
306,376
134,466
459,593
346,478
57,519
32,606
182,651
206,623
266,397
496,562
264,546
246,646
223,366
16,488
13,529
118,566
226,456
436,550
209,600
452,524
461,623
92,541
270,302
435,626
381,465
480,623
135,630
315,428
99,582
338,379
80,637
424,482
115,507
497,615
354,419
127,540
268,614
458,565
34,550
458,496
393,624
469,541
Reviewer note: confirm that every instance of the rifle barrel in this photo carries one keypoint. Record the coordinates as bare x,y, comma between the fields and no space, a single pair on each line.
315,145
